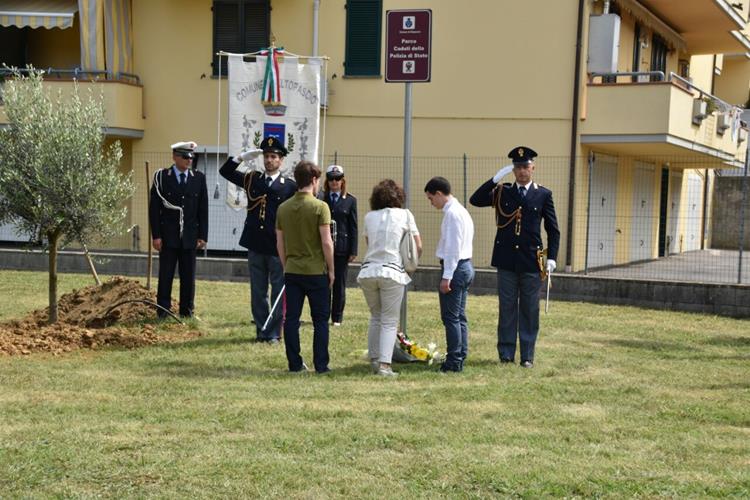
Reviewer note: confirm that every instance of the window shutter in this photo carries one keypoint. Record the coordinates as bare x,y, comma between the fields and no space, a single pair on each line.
256,26
226,32
363,34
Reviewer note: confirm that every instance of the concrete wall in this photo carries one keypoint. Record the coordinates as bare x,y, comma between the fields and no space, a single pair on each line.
725,219
722,300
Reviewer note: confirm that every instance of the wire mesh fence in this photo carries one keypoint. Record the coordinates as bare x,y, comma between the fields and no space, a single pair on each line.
667,219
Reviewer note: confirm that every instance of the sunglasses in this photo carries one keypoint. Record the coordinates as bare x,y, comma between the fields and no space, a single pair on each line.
334,177
186,156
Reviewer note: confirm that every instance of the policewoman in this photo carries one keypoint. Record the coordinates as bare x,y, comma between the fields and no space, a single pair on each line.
343,206
178,213
265,192
520,209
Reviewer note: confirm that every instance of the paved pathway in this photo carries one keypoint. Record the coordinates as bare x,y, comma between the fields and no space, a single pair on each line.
705,266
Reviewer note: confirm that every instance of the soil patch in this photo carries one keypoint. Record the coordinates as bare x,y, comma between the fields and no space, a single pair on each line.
87,320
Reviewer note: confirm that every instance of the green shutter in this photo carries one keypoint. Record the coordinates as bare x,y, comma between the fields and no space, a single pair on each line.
363,34
240,26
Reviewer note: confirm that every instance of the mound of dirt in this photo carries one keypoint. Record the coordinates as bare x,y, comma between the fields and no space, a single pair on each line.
88,320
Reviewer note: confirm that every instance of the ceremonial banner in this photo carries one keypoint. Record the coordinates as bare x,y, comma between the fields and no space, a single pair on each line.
280,100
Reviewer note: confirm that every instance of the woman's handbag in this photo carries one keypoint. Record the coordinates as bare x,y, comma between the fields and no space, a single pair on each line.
408,249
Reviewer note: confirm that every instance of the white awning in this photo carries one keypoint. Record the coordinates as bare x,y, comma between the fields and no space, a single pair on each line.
38,13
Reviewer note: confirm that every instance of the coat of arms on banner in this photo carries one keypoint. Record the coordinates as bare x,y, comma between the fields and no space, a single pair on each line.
274,96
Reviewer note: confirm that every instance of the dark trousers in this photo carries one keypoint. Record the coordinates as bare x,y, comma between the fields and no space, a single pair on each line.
519,313
265,269
338,296
315,288
185,260
453,314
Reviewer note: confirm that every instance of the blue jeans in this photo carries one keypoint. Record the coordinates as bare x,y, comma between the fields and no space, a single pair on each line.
315,288
453,314
264,269
519,313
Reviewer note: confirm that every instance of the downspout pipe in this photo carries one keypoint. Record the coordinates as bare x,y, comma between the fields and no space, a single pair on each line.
574,138
316,18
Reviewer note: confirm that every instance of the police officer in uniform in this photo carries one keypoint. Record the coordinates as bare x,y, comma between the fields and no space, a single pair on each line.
178,212
343,206
520,209
265,192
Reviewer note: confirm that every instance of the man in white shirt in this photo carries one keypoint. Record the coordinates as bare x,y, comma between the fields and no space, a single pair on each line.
454,251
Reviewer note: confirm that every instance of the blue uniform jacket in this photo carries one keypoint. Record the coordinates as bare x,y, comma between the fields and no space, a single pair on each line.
193,198
517,252
345,215
259,233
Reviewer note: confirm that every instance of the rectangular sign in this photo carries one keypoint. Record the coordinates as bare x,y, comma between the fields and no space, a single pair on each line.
408,45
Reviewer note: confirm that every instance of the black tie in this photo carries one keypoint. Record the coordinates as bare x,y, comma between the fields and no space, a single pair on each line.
182,179
522,190
334,198
269,181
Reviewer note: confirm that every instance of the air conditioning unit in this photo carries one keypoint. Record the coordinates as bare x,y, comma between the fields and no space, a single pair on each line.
723,122
700,110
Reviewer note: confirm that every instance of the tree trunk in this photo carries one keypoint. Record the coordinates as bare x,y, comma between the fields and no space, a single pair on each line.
53,239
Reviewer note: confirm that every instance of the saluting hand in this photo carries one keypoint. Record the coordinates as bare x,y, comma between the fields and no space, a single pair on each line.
250,154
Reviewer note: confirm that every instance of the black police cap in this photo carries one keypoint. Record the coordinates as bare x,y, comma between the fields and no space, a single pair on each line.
522,155
273,145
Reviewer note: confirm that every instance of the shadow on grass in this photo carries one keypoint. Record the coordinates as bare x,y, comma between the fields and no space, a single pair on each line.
648,345
729,341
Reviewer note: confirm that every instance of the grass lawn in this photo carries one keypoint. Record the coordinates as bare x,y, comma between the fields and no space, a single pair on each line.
622,402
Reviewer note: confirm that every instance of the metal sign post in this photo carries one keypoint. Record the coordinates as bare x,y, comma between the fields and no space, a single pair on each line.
408,60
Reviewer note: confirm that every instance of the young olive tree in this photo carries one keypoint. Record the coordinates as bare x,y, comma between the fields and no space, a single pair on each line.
59,182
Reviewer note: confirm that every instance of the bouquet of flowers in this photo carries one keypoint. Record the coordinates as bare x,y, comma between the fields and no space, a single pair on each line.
409,350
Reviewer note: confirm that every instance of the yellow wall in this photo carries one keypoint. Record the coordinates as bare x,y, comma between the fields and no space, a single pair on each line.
733,85
702,71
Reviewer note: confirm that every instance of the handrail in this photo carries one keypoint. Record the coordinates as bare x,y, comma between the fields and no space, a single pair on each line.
76,73
723,104
659,74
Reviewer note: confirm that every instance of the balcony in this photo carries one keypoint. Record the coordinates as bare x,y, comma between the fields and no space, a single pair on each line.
707,26
123,103
663,122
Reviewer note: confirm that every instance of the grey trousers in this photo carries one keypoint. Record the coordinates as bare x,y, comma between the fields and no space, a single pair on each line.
519,313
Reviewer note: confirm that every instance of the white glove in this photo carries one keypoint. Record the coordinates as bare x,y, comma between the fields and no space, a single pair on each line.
249,154
502,173
551,265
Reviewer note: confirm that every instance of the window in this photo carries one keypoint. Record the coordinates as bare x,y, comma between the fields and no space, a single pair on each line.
240,26
658,55
363,28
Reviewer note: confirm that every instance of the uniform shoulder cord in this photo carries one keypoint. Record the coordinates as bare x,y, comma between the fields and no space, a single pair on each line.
254,202
516,214
157,184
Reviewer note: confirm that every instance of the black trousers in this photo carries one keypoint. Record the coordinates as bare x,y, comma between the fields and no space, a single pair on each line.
338,295
168,259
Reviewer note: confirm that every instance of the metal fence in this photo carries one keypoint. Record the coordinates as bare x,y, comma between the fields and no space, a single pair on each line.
630,217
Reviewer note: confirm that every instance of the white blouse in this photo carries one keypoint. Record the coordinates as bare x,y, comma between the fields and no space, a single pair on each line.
384,229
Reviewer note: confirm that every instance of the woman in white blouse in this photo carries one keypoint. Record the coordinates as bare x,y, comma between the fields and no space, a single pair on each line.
382,276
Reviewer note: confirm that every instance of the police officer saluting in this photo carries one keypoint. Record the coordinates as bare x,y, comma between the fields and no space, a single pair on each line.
520,208
178,212
265,192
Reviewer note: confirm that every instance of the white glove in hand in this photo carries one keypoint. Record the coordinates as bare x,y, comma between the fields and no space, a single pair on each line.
551,265
249,154
502,173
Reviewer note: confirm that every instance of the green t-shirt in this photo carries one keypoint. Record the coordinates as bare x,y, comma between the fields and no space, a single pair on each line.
300,218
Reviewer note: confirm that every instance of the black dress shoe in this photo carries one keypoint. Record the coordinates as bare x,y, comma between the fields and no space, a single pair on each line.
506,360
527,364
448,369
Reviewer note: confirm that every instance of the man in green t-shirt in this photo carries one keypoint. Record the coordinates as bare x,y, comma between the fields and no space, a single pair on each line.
303,239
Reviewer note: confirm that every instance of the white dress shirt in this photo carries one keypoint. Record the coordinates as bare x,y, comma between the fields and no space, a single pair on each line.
456,235
384,229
